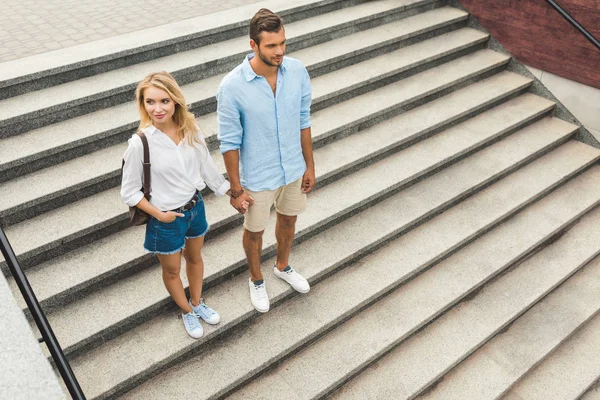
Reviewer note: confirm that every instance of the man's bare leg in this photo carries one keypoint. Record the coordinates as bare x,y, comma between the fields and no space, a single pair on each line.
252,242
284,233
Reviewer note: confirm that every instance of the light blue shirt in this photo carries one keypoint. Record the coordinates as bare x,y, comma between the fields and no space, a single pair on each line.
265,127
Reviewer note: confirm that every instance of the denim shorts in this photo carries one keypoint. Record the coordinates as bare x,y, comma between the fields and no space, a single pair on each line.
169,238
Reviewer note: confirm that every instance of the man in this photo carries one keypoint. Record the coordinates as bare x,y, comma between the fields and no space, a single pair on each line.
264,128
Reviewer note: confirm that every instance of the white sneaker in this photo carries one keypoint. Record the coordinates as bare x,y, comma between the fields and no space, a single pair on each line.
295,280
192,325
259,297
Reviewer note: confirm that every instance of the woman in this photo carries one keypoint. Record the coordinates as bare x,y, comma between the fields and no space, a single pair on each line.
180,166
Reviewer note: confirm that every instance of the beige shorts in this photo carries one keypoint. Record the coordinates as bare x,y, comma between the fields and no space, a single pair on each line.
288,200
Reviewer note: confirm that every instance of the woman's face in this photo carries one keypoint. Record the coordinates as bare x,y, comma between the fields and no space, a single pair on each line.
159,105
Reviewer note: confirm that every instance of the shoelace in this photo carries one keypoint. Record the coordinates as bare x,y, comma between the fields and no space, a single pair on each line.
261,293
191,321
206,311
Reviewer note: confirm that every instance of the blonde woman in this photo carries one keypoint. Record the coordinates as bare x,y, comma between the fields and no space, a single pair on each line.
181,168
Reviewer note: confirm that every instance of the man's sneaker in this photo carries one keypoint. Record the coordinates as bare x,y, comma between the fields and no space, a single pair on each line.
259,297
295,280
203,311
192,325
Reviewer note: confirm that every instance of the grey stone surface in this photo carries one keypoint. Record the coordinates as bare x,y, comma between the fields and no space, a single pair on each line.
85,131
151,38
415,204
54,187
418,134
35,27
573,367
369,333
580,99
592,393
39,189
343,294
90,266
538,87
412,167
508,357
24,371
425,357
85,95
595,133
360,112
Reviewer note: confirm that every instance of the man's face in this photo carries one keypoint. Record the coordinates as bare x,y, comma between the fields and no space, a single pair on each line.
271,48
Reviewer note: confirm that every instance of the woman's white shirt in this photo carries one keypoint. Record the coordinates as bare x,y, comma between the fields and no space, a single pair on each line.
176,171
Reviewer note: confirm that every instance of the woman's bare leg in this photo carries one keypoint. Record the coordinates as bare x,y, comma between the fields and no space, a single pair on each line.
171,266
194,267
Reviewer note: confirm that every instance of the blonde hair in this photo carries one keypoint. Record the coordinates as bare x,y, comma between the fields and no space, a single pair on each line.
188,129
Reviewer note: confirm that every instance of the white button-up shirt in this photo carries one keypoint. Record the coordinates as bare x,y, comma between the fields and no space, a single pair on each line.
176,171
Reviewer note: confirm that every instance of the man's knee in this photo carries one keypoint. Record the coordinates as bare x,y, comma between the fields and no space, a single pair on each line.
286,221
253,236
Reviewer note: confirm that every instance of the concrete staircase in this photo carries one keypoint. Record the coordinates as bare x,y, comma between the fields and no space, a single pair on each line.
451,245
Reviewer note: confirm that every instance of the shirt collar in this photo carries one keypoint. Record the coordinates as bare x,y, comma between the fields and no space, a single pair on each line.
249,73
150,130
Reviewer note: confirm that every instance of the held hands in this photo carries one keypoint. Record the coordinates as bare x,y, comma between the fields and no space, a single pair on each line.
168,216
308,180
242,202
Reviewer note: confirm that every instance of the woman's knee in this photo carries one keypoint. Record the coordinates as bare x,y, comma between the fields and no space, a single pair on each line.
171,274
170,268
193,259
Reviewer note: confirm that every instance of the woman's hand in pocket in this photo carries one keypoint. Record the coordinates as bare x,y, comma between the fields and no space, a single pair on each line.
169,216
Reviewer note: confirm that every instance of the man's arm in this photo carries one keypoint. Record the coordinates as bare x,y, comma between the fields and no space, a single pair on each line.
230,135
309,178
232,165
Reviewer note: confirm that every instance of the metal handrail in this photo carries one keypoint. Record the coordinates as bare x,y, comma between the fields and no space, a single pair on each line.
40,319
574,22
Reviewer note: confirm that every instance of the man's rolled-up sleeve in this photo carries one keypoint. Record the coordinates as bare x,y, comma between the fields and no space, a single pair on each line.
229,121
306,101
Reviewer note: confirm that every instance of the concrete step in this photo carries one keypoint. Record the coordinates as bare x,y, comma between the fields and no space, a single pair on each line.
34,241
89,266
55,143
58,103
574,367
84,176
411,207
423,359
56,67
269,339
592,393
495,367
410,165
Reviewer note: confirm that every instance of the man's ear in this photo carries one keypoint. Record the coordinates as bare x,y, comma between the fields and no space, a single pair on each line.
253,45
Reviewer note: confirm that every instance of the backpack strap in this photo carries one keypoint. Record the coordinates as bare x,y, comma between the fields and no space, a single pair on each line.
146,181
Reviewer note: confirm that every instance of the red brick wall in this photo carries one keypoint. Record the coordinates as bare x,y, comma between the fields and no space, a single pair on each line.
537,35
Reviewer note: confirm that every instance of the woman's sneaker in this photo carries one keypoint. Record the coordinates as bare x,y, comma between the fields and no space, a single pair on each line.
295,280
192,325
203,311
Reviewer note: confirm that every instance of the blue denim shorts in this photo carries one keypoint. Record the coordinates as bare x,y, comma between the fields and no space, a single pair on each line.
169,238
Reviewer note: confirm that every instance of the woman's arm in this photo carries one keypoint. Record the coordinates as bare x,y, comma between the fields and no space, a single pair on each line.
131,184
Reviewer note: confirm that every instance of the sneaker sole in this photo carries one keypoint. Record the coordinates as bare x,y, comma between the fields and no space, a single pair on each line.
297,290
259,310
208,322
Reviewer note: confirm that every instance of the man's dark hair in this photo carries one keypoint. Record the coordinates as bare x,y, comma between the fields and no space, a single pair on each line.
264,21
